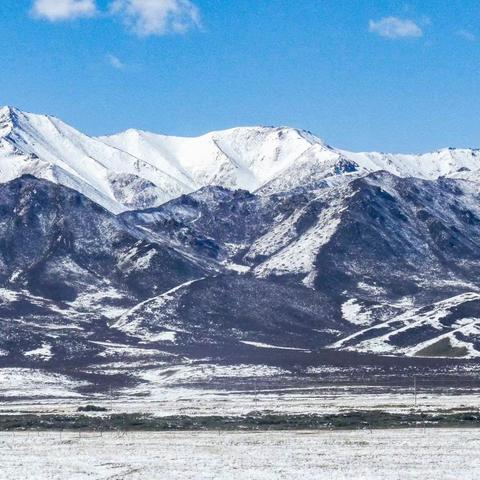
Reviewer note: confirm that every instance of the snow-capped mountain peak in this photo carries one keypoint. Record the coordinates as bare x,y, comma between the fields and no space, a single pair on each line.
138,169
7,120
244,157
46,147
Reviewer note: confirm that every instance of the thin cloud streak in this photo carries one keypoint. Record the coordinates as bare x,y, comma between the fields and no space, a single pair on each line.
466,35
395,28
115,62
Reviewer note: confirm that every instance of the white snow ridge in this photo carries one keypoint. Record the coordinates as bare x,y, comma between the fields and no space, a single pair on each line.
137,169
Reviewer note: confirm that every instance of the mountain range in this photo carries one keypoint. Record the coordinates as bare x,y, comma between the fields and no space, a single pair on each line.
248,244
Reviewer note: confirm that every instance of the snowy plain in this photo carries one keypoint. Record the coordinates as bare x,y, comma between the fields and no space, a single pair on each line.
295,401
333,455
206,389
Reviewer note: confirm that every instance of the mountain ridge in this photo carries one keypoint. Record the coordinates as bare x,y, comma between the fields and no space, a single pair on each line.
237,245
138,169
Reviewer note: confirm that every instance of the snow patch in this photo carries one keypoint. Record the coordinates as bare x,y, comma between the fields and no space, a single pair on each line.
353,312
163,337
276,347
23,382
44,352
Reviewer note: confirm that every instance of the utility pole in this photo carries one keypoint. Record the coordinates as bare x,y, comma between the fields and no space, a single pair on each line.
415,389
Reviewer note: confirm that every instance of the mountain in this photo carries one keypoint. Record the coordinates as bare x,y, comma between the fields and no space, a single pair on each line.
137,169
377,229
252,246
68,266
372,249
274,160
46,147
449,327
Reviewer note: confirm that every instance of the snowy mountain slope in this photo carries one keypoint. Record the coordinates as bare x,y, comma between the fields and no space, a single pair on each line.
137,169
141,245
38,333
240,158
57,244
446,328
376,248
291,246
215,221
234,309
446,162
46,147
403,235
68,267
274,160
80,286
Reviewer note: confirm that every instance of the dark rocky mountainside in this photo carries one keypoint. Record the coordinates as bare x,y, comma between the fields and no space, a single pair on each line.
259,246
225,273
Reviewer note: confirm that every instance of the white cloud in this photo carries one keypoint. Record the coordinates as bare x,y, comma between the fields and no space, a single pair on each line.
466,35
157,17
57,10
394,27
115,62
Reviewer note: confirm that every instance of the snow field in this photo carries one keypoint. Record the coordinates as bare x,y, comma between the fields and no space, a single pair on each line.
378,455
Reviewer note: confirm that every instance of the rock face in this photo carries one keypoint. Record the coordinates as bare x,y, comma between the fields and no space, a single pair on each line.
65,260
369,250
272,247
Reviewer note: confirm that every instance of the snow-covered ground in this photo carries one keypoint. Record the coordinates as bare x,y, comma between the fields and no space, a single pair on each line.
381,454
206,389
17,382
167,401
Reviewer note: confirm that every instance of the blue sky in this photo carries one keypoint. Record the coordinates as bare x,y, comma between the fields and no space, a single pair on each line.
362,74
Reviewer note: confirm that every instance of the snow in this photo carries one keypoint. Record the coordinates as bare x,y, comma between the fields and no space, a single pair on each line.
23,382
183,375
8,295
266,345
44,352
466,326
167,386
137,169
130,322
140,263
291,252
164,337
243,158
352,312
432,165
180,395
372,289
237,268
48,148
413,319
92,300
333,455
118,349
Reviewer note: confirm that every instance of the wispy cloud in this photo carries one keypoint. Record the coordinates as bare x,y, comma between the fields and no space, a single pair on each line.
466,35
115,62
58,10
157,17
394,27
142,17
